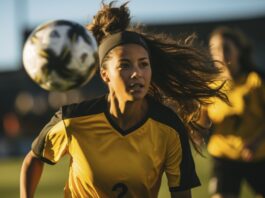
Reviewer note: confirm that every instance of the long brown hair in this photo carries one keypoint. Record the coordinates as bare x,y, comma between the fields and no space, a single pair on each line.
182,70
243,45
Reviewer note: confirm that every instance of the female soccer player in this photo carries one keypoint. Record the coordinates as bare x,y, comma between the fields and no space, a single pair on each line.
121,144
237,144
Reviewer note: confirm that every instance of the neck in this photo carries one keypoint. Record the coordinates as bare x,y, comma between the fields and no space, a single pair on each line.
126,113
240,78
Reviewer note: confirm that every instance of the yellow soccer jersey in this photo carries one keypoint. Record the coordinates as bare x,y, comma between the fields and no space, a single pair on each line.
241,122
109,162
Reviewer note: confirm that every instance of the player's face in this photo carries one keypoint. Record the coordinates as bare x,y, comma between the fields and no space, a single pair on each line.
231,57
128,72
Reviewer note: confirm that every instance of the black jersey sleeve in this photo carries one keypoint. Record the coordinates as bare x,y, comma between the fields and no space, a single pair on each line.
180,166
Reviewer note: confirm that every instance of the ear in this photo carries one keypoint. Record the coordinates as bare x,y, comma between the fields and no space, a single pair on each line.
104,75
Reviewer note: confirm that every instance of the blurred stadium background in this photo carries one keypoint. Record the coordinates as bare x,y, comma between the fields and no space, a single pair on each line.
25,107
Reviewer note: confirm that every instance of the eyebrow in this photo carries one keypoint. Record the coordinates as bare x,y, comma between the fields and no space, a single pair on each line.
126,59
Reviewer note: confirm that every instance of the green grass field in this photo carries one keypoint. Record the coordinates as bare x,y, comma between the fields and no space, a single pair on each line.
54,177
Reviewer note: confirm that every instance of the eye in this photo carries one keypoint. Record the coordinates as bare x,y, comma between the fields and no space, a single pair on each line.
124,65
144,64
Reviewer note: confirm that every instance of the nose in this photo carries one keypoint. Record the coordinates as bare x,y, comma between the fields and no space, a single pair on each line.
136,72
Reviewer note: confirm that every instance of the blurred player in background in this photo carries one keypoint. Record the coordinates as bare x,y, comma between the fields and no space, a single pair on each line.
121,144
237,144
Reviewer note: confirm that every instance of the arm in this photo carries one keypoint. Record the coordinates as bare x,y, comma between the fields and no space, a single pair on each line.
50,145
251,146
30,175
182,194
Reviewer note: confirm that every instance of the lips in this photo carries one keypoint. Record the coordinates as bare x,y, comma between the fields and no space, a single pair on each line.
136,86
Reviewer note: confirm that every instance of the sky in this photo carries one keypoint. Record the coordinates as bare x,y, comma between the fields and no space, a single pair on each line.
16,15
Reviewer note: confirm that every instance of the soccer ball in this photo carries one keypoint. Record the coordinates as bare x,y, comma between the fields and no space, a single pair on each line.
60,55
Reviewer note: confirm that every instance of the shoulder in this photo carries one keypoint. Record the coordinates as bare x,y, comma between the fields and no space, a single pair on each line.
165,115
88,107
254,80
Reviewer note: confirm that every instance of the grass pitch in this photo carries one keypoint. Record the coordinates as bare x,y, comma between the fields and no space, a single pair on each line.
54,177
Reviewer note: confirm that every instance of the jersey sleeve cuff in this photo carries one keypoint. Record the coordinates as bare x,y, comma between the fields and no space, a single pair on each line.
183,188
47,161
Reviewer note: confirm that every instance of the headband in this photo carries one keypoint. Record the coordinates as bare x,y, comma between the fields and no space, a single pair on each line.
117,39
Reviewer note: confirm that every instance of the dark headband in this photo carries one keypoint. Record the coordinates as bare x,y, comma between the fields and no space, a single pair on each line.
117,39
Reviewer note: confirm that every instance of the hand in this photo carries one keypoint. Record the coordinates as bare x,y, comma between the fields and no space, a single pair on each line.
247,154
250,148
